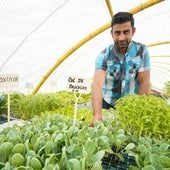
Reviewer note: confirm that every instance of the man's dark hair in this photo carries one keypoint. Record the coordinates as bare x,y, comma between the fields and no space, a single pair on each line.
122,17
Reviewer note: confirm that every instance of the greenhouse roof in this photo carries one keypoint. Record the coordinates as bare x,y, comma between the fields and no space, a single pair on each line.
46,41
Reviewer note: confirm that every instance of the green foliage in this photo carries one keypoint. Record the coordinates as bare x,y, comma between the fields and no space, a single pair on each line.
52,142
83,114
167,89
17,160
3,104
151,154
27,106
5,150
144,116
139,126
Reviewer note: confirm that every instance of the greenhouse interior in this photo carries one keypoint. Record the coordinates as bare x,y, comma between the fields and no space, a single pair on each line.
47,108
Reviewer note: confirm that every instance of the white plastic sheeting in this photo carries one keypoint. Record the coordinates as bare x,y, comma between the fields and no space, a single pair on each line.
34,34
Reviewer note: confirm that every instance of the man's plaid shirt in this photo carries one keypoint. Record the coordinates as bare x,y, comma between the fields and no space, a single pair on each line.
122,71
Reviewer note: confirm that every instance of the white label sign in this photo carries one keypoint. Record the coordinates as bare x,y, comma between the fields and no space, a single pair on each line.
81,85
28,85
9,80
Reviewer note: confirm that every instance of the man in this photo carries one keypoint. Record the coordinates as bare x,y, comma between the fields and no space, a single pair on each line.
121,68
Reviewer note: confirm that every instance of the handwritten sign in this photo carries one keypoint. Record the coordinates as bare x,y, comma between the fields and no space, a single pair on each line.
9,80
80,85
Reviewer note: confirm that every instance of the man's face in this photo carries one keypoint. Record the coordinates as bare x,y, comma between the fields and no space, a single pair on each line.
122,35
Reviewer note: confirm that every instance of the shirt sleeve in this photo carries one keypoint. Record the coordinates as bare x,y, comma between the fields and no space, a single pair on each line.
145,65
100,63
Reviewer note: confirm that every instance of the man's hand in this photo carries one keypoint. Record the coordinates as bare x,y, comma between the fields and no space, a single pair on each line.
97,86
96,118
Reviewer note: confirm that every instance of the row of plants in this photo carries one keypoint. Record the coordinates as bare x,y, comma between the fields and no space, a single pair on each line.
51,142
138,128
27,106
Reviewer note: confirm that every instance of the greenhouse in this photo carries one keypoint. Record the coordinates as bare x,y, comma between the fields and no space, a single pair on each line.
47,74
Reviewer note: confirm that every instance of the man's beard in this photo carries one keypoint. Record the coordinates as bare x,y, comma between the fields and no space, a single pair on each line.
122,46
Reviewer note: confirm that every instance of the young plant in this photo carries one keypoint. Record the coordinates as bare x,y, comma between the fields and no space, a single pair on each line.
144,116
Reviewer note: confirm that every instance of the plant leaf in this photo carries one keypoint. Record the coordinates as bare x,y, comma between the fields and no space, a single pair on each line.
148,167
130,146
165,161
74,164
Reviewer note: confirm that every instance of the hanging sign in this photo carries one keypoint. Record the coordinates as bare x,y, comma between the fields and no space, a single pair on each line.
9,80
80,85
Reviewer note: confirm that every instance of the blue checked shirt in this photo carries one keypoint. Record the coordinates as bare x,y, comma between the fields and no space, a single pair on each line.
122,71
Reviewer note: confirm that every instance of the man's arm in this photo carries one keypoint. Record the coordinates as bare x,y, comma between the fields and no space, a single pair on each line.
144,82
97,86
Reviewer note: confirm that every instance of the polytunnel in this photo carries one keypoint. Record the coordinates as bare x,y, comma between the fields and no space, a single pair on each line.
46,41
47,44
